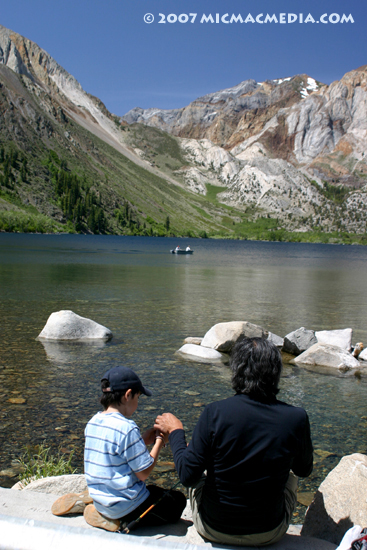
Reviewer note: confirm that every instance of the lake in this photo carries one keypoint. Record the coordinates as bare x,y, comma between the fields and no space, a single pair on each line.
152,300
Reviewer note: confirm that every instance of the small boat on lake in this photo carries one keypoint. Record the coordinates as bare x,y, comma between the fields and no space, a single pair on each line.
182,251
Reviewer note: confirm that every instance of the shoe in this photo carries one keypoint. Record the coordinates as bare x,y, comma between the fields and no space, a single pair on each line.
72,503
95,519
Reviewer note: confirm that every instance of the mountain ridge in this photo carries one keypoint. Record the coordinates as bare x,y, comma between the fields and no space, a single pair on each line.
240,166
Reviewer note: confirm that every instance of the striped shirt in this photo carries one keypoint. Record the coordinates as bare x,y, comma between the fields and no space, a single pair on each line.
114,452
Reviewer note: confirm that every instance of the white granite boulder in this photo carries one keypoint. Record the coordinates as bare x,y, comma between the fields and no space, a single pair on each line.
201,354
363,355
324,355
341,338
340,501
223,336
298,341
67,325
57,485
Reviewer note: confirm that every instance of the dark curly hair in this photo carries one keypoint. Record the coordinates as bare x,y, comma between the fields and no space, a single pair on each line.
256,365
113,397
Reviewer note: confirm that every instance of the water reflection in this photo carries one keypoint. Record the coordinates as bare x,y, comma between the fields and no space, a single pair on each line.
151,300
68,353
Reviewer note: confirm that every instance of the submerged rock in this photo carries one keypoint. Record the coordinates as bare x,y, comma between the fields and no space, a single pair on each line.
17,400
341,338
340,501
324,355
305,498
67,325
202,354
223,336
299,340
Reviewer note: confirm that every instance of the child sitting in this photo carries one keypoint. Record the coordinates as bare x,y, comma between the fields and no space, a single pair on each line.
117,461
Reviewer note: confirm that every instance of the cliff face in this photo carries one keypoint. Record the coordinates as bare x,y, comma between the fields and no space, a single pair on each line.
290,149
277,146
229,116
317,127
45,76
326,132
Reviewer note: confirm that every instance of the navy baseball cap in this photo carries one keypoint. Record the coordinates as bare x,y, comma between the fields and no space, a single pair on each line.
122,378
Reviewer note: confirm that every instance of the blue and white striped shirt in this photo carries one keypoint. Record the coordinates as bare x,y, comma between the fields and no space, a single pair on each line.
114,451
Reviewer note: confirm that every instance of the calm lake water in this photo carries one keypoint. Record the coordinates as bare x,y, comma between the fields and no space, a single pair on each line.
152,300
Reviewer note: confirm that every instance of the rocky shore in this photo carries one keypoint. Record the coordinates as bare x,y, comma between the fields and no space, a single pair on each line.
330,350
327,349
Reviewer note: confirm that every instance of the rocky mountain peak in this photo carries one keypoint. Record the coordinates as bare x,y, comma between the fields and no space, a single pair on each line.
231,115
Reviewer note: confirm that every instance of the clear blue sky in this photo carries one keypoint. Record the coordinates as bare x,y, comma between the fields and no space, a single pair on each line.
116,56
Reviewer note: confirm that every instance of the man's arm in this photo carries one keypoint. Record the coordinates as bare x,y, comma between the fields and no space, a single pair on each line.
303,463
190,460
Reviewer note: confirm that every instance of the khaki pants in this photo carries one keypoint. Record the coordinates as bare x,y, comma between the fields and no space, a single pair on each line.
260,539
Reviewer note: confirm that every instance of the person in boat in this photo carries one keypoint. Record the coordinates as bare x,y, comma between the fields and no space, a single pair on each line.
188,248
245,453
178,247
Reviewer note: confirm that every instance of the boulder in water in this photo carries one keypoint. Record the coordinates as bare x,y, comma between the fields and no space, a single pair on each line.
278,341
298,341
67,325
202,354
223,336
341,338
324,355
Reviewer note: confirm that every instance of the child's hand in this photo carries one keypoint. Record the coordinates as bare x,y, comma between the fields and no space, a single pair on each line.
149,436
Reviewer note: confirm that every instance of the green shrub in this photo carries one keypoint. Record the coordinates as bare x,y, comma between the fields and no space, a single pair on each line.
24,222
38,463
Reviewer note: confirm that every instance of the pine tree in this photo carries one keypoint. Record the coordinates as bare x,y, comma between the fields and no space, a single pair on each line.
167,224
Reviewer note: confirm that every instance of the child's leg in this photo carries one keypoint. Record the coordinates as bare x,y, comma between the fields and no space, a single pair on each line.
168,510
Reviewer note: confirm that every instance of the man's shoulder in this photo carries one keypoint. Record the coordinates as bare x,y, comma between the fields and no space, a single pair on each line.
238,401
291,408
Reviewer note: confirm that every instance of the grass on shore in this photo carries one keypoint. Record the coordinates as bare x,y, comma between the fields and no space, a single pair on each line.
38,463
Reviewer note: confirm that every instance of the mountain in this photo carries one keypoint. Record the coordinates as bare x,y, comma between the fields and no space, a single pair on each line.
229,116
282,159
291,147
66,162
298,119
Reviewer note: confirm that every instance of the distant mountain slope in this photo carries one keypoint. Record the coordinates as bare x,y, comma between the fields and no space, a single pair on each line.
268,140
65,157
322,128
229,116
272,160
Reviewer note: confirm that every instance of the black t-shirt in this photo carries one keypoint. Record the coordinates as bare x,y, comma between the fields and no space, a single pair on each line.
247,448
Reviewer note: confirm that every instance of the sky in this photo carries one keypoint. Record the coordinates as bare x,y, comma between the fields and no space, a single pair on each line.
127,58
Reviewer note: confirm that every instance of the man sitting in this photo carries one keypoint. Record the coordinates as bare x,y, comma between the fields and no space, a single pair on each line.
239,461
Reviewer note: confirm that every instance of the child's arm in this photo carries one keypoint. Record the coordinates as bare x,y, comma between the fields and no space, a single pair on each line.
149,436
159,443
